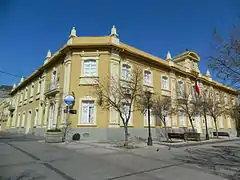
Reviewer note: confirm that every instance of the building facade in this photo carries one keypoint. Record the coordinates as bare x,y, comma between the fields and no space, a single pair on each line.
37,101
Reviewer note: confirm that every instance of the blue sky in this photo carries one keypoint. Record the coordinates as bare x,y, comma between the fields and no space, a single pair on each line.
29,28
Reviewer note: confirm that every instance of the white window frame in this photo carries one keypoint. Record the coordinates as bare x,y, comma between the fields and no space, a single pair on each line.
39,86
182,118
220,122
126,76
225,99
36,116
81,101
32,90
180,93
152,118
26,93
229,122
89,58
23,119
19,120
145,80
166,80
54,76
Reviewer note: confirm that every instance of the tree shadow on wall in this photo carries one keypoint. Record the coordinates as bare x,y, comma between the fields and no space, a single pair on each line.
223,161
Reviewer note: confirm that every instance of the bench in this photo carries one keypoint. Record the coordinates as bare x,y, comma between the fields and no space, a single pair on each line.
176,135
192,136
221,134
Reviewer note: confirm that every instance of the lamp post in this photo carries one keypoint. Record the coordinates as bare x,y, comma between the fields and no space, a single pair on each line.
148,96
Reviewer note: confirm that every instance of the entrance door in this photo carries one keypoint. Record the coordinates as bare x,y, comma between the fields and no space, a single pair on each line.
29,122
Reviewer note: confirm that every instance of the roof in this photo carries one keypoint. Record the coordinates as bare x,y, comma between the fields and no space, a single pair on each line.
105,41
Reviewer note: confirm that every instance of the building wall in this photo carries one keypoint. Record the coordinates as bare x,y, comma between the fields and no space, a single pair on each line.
107,124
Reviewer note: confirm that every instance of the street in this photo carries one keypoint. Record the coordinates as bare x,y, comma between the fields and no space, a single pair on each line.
23,157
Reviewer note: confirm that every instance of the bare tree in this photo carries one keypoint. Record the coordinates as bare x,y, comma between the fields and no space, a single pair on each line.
162,108
119,95
203,100
214,109
234,112
225,60
190,104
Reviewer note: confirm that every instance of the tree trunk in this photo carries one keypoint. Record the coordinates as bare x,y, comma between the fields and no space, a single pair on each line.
215,123
206,125
166,133
191,122
125,135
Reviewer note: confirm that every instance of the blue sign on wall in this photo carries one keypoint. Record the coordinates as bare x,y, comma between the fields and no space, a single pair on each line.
69,99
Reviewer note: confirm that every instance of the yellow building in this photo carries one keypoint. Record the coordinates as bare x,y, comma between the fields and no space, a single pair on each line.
37,101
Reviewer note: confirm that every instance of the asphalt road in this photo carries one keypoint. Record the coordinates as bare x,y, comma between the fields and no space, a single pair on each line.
26,158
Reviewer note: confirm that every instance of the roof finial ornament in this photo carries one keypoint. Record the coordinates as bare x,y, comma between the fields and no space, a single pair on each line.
208,74
49,54
73,33
169,55
114,31
22,79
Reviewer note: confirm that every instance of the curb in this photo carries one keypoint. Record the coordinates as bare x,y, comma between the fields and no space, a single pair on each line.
197,144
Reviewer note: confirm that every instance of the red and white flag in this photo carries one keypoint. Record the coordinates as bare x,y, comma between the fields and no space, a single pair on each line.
197,89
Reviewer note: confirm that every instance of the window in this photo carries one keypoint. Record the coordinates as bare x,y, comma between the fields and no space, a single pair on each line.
218,97
90,68
32,90
225,99
23,119
164,82
147,77
39,86
126,70
126,109
146,118
87,112
220,122
26,93
229,123
180,88
18,120
21,96
54,77
182,120
36,118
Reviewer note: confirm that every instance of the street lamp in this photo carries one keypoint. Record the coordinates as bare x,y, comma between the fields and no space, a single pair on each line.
148,96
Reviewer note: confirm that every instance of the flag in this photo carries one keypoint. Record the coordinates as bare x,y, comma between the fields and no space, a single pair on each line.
197,86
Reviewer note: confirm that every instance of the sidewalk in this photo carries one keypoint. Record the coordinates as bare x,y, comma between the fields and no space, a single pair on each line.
196,143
